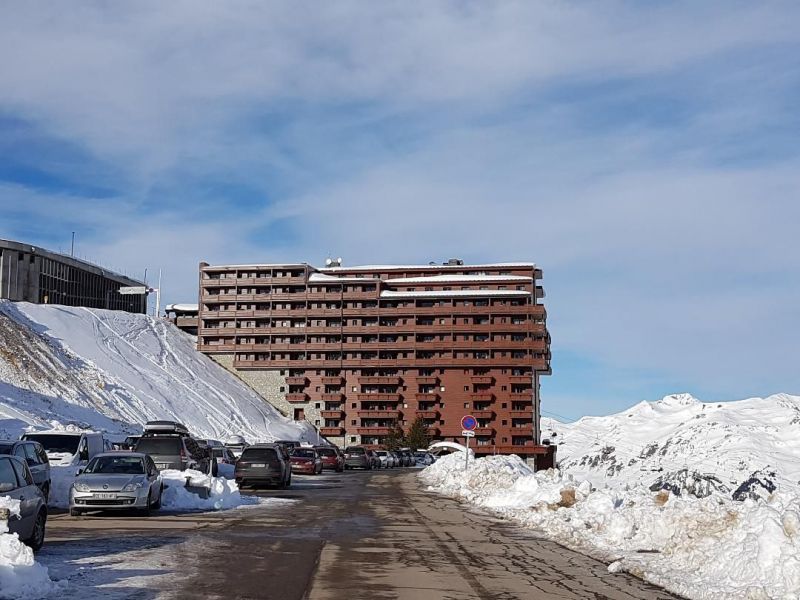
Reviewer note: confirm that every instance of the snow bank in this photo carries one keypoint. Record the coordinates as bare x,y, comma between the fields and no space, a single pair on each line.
222,493
112,371
701,548
20,575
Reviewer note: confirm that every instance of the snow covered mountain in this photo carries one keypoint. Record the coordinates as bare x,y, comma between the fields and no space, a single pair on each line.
742,448
113,371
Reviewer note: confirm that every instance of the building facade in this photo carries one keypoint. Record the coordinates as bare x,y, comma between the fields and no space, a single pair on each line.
184,317
32,274
359,351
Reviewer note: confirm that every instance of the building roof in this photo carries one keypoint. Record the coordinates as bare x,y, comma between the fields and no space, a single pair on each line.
323,278
193,308
524,265
453,278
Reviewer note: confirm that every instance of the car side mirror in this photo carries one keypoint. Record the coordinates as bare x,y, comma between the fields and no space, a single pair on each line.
79,471
6,487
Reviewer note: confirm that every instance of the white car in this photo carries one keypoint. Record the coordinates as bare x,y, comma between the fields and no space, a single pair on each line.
386,458
117,481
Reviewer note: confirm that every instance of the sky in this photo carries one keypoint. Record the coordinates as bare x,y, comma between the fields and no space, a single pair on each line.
645,155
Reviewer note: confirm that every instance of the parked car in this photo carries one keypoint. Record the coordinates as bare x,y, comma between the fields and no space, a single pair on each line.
424,458
332,457
263,464
385,458
69,448
356,457
130,442
236,444
306,461
16,482
408,458
117,481
33,455
171,447
397,461
223,455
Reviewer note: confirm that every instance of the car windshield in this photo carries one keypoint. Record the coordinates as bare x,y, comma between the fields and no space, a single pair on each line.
56,442
6,448
267,454
159,445
121,465
355,450
381,453
304,453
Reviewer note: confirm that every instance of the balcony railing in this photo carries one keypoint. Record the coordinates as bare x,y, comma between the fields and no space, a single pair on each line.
332,397
379,397
332,380
379,380
297,380
378,414
332,414
482,379
373,430
296,397
332,431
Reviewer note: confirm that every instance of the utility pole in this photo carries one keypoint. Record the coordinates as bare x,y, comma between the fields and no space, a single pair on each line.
72,247
158,295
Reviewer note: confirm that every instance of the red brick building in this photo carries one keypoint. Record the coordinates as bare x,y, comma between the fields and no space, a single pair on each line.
357,350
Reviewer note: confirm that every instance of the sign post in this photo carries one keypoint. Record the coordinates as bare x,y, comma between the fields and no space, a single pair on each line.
468,425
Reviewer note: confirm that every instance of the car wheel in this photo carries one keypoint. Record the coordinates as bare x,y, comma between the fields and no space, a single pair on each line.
36,541
75,512
157,503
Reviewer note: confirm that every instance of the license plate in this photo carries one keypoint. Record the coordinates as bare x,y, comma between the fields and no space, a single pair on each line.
162,465
105,496
258,465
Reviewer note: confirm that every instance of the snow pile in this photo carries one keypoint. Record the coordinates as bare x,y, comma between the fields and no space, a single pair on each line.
20,575
702,548
222,493
111,371
746,448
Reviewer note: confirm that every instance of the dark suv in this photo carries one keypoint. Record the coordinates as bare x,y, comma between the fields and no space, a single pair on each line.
357,457
263,464
33,455
171,447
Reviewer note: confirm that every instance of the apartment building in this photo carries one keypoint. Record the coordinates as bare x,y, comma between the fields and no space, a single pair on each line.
33,274
360,350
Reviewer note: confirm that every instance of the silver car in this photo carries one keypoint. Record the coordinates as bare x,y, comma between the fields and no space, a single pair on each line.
117,480
17,483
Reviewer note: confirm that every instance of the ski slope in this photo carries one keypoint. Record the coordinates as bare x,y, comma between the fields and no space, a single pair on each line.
741,448
112,371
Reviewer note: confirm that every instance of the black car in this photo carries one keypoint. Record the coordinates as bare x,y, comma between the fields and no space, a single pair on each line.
33,455
290,445
263,464
171,447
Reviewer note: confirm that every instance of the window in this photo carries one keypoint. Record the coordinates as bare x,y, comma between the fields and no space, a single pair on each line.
441,389
282,389
7,473
317,405
466,404
466,388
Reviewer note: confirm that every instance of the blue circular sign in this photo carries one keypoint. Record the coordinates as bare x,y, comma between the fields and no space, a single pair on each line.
469,422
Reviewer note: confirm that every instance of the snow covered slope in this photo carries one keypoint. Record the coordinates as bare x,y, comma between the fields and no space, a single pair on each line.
741,448
113,371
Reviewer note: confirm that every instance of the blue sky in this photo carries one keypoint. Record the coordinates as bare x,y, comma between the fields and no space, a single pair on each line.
645,155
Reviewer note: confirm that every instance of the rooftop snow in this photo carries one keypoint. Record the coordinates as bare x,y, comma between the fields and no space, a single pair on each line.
454,293
522,265
323,278
456,278
183,307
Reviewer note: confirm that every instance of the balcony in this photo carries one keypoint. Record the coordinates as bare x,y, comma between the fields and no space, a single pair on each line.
378,414
521,395
427,414
332,431
522,429
332,397
373,430
332,414
383,397
297,380
296,397
483,414
482,397
337,380
429,397
482,379
484,430
379,380
521,414
428,380
521,378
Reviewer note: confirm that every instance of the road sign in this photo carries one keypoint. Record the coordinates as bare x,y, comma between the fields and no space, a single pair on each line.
133,290
468,433
469,422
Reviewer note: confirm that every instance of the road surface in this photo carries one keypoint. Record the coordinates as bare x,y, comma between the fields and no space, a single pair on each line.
354,535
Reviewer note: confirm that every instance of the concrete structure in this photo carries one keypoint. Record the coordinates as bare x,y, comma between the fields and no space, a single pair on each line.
32,274
184,317
359,351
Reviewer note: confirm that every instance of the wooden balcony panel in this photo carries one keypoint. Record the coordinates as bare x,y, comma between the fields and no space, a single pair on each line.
428,380
427,414
331,431
380,380
297,397
483,414
373,430
520,449
482,379
378,397
482,397
521,379
432,397
526,429
332,414
217,331
297,380
526,396
332,380
484,430
378,414
333,397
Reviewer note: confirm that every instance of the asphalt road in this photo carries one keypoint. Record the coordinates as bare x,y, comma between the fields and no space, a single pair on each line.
353,535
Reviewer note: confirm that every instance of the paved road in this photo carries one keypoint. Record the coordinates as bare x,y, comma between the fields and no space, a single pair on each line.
368,536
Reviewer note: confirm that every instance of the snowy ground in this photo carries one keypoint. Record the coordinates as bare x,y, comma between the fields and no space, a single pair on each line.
703,548
112,371
20,575
742,448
